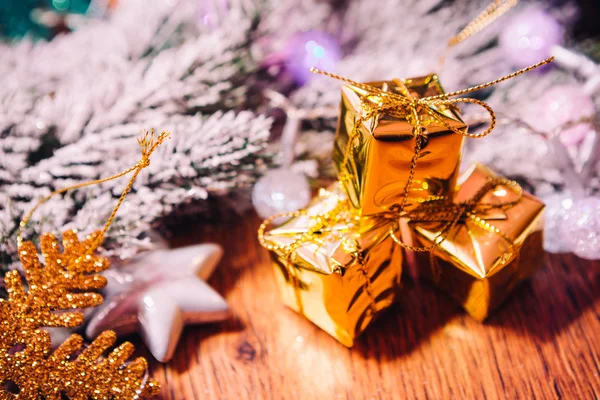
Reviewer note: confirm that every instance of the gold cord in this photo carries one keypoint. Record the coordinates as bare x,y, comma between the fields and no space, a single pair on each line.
491,83
147,143
342,214
492,12
451,214
360,259
436,208
439,208
391,102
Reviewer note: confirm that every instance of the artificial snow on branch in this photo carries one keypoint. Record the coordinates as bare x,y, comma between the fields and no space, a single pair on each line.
208,156
73,103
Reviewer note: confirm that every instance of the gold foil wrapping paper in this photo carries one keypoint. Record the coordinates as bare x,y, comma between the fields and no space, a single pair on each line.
378,166
342,277
486,254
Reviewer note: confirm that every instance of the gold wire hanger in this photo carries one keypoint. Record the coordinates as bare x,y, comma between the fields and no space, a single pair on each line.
147,143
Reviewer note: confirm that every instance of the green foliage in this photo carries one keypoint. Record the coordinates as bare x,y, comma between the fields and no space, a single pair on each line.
17,17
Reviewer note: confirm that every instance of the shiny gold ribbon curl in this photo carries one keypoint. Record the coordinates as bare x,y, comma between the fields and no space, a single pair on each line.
439,210
324,223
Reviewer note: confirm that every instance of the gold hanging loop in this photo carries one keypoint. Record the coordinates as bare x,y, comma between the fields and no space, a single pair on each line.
148,144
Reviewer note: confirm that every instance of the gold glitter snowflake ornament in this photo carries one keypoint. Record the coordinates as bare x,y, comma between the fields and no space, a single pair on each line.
66,281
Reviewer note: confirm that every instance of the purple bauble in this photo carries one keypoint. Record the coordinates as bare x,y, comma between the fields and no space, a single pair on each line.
528,38
311,49
559,106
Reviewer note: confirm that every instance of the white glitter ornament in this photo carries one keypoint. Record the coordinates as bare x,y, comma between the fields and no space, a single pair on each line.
280,190
283,190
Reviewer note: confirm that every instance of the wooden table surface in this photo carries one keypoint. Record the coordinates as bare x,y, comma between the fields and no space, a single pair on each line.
544,343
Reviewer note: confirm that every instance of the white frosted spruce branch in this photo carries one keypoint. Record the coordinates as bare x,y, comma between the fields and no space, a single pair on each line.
207,159
113,71
144,66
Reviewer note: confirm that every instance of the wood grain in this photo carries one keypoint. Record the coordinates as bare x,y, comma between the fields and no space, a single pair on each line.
543,344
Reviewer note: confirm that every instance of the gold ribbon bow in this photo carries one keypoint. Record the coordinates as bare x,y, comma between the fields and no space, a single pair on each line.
323,225
415,109
453,213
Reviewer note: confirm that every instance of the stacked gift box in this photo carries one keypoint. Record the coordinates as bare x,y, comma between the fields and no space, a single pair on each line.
399,206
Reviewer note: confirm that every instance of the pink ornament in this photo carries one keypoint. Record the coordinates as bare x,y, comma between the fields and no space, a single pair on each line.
562,105
529,37
311,49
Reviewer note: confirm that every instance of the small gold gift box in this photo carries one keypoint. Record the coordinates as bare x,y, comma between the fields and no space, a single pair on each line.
375,165
493,247
336,268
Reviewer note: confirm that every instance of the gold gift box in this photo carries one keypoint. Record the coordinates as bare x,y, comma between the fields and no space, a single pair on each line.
345,275
378,165
486,255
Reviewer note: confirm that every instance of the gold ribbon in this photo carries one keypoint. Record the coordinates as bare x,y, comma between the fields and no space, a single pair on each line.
414,109
324,223
437,210
432,209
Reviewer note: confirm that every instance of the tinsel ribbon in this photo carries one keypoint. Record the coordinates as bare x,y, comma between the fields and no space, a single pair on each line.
415,110
492,12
